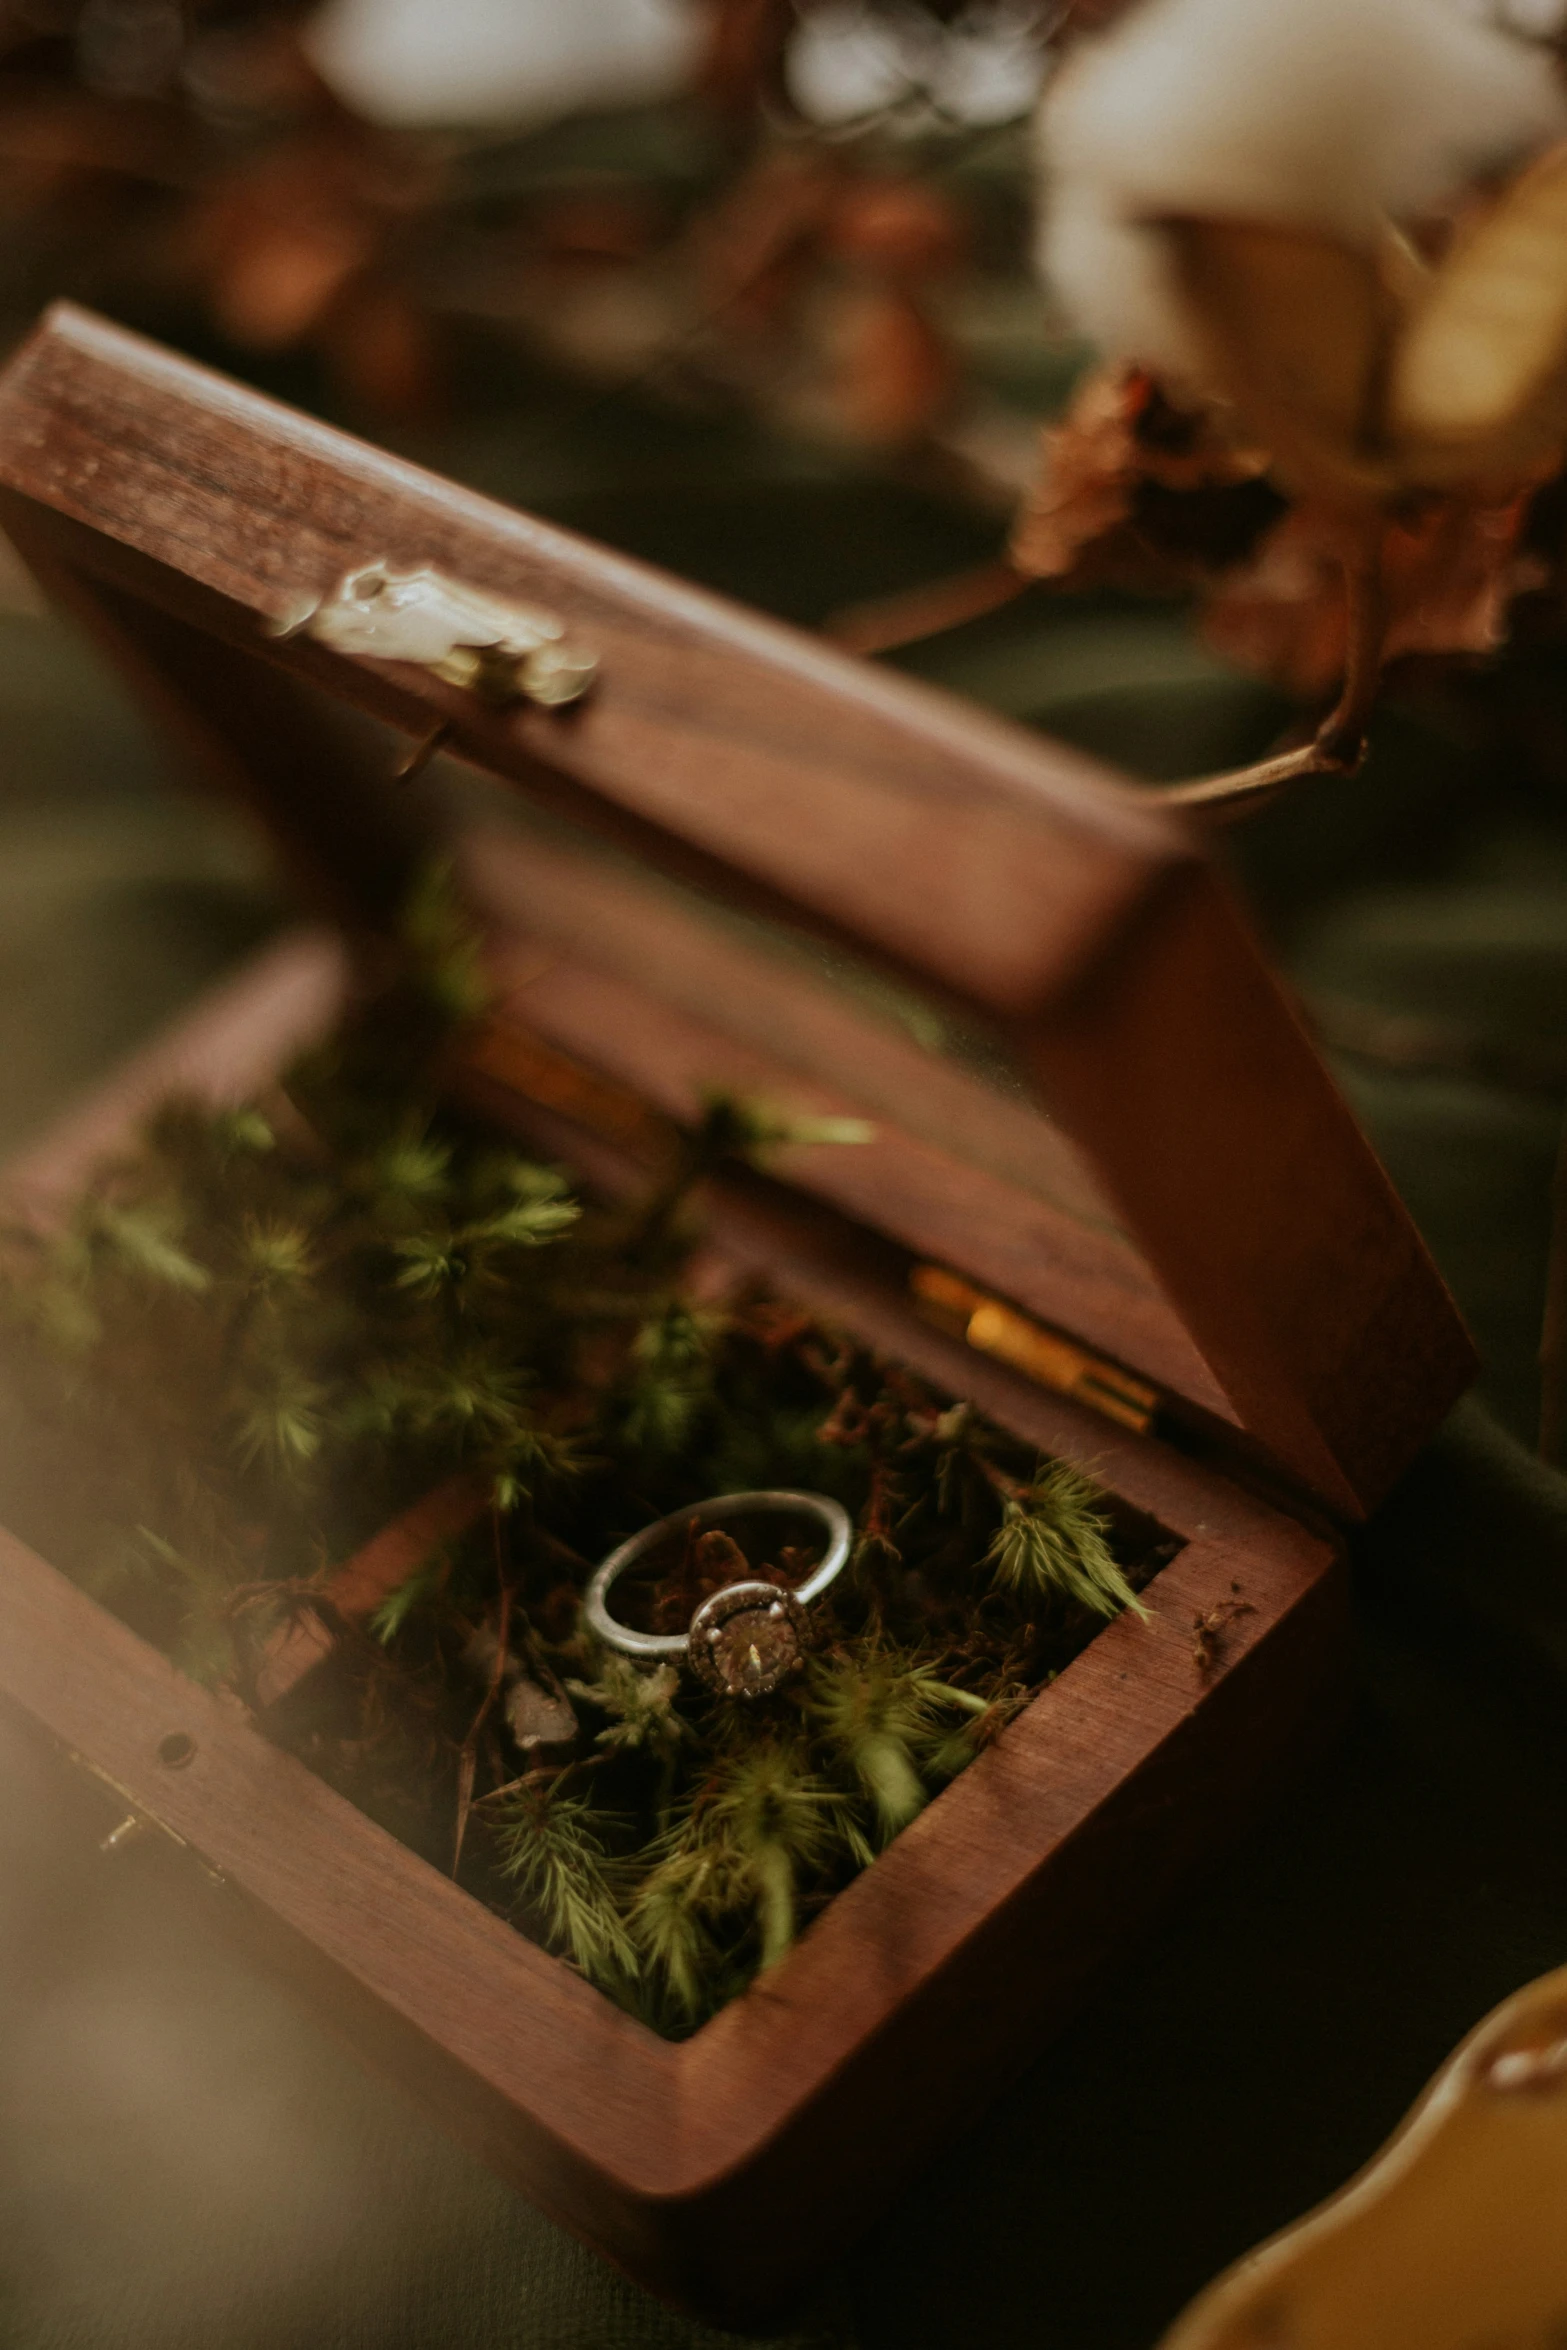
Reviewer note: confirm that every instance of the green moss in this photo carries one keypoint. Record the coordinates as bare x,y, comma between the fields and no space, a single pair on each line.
268,1330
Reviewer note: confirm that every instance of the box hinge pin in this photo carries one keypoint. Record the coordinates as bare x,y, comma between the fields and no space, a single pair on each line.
131,1830
994,1328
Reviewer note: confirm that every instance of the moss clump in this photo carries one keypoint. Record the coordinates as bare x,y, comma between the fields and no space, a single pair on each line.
266,1331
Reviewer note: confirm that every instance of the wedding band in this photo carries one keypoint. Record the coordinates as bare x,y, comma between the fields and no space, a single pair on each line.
751,1635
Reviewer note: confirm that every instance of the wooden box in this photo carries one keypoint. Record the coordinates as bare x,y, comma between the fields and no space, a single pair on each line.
1185,1270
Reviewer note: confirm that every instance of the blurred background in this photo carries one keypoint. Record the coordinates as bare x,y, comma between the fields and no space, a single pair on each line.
744,287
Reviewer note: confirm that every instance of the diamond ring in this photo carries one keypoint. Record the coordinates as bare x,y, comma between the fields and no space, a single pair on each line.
750,1635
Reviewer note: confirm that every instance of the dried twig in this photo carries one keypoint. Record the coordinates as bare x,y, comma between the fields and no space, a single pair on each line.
888,623
468,1760
1211,1626
1339,744
884,624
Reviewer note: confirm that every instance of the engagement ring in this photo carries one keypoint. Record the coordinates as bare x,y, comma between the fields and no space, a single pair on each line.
750,1635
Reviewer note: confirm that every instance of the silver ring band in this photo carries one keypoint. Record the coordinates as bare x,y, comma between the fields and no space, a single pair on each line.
655,1647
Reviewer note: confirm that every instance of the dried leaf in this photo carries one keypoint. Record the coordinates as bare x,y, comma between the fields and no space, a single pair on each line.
1088,476
888,372
1298,328
1135,491
747,249
279,238
1451,567
598,225
57,143
902,228
383,351
1478,385
537,1717
743,65
281,277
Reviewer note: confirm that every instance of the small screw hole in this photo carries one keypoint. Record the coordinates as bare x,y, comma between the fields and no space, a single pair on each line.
175,1751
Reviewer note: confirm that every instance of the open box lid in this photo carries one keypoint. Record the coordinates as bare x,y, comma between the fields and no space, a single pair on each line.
844,890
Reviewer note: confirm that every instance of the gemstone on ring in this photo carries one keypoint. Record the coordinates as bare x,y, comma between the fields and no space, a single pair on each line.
747,1639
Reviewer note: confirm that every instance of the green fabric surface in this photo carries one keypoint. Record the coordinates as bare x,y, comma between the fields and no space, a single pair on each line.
186,2160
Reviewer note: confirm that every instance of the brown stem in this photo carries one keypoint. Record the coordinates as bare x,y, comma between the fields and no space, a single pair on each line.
467,1766
885,623
1342,736
1339,744
1240,791
468,1760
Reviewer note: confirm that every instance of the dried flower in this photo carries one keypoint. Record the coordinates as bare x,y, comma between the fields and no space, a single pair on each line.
511,62
1338,118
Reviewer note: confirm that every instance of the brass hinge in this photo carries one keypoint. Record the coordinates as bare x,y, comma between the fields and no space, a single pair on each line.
498,650
994,1328
138,1820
